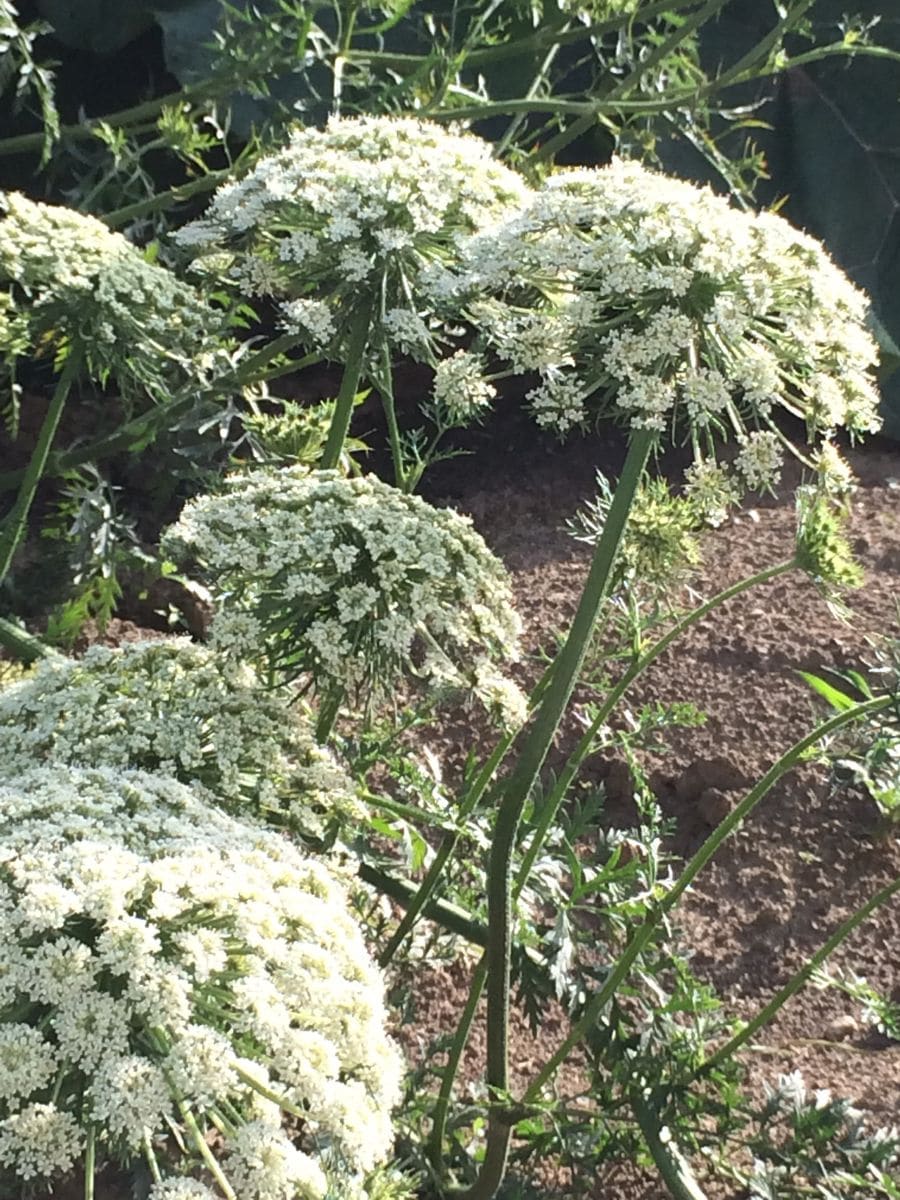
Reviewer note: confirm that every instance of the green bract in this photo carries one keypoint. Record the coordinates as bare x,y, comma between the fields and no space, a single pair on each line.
352,582
177,708
68,284
346,217
654,301
165,967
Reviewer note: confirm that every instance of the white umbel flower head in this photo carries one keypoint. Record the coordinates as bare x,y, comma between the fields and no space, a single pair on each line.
348,216
179,708
656,302
103,1002
349,580
66,281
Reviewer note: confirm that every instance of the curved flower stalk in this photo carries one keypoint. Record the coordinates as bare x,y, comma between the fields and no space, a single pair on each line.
354,584
655,302
167,967
72,291
337,228
179,709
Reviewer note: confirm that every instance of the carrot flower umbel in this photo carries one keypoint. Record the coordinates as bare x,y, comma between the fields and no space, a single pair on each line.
351,584
168,971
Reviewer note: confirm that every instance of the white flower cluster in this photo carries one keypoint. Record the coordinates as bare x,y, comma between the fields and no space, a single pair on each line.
461,393
166,967
348,215
67,279
663,304
176,708
349,580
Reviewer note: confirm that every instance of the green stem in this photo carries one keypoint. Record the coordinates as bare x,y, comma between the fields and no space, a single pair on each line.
696,864
386,388
13,526
799,978
551,148
670,1162
536,742
23,646
528,45
328,713
444,851
163,200
761,50
90,1162
145,428
343,408
205,1153
25,143
435,1147
449,916
150,1158
583,749
548,815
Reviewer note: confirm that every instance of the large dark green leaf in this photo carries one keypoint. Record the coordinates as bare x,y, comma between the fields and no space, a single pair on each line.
100,26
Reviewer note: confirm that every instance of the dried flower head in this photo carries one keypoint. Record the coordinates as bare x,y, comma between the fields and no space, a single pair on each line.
177,708
348,580
657,302
348,216
70,285
165,967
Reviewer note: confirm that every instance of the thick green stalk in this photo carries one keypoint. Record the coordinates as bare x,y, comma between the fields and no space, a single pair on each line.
13,526
386,388
699,860
90,1163
163,200
551,807
343,408
799,978
435,1147
450,916
583,749
329,708
669,1161
444,851
23,646
535,744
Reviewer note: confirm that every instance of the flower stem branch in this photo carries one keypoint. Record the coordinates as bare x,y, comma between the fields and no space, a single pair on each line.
535,744
343,408
645,931
551,805
799,978
13,527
